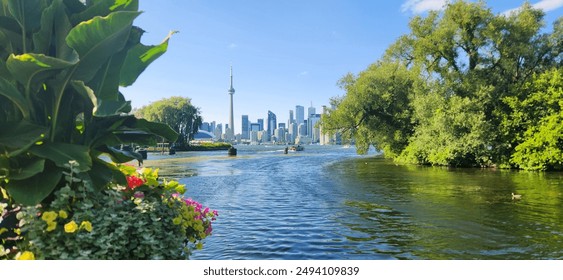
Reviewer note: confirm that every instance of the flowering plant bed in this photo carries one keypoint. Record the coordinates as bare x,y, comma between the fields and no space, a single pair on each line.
146,219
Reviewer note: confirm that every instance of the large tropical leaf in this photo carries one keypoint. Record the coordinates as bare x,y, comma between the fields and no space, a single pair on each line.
120,156
31,69
139,58
102,108
96,40
27,13
104,172
9,91
27,170
103,8
21,134
42,38
33,190
62,153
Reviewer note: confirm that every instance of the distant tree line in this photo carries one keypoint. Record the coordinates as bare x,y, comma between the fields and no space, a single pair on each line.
465,87
178,113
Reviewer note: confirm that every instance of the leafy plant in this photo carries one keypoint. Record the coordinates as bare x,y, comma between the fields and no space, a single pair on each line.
61,65
144,219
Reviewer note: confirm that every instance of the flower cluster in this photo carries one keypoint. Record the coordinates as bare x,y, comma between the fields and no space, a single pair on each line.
147,218
50,218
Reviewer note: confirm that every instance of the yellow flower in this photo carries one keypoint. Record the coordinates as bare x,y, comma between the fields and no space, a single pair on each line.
86,225
63,214
27,255
51,226
49,216
71,227
199,246
177,220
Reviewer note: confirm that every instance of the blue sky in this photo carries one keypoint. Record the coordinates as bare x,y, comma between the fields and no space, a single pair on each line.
283,53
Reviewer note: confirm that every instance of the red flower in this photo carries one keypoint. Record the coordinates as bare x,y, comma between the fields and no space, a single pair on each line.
134,182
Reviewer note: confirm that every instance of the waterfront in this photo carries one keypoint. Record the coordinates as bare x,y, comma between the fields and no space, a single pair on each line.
329,203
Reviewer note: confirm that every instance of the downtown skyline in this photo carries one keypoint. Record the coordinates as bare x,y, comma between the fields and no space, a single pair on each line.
283,53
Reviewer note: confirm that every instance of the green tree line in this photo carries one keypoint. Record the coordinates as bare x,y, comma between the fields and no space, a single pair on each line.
466,87
177,112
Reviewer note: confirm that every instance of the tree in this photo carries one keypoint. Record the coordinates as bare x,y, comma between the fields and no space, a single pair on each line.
376,109
178,113
465,67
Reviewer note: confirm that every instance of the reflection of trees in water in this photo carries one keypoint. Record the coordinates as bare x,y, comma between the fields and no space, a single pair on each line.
445,213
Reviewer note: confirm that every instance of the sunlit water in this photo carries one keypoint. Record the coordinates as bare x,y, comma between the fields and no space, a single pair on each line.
329,203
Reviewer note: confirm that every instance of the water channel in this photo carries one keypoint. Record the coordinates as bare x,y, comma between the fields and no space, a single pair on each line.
329,203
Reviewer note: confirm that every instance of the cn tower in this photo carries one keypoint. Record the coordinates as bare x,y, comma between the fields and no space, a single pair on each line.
231,115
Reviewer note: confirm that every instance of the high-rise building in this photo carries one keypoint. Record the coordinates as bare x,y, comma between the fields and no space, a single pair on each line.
272,123
231,115
310,113
212,126
314,132
245,127
261,123
218,131
291,120
299,114
205,127
255,127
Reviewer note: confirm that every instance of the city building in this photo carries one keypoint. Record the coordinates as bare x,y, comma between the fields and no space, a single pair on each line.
291,120
261,123
272,123
299,114
245,127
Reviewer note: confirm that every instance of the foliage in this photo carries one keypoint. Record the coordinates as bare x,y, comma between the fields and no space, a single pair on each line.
540,116
145,219
376,110
209,146
61,65
178,113
457,97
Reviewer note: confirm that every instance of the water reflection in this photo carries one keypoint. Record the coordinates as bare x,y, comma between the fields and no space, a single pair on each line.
458,213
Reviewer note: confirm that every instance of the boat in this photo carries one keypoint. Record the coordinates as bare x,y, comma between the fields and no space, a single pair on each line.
232,151
296,148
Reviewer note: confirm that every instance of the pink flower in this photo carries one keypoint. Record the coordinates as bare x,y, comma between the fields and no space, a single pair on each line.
138,195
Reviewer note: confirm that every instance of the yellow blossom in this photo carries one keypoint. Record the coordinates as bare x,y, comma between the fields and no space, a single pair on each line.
199,246
177,220
63,214
86,225
49,216
51,226
71,227
27,255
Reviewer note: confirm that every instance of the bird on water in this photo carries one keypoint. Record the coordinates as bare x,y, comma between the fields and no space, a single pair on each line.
516,196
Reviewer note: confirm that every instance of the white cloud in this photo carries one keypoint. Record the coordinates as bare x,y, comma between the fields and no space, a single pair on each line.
304,73
232,45
548,5
421,6
545,5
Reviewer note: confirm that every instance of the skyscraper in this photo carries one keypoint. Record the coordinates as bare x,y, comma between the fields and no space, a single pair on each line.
299,114
272,123
261,123
231,115
310,113
245,127
291,120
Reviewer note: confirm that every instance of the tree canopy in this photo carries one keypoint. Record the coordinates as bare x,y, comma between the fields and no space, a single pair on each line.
178,113
465,87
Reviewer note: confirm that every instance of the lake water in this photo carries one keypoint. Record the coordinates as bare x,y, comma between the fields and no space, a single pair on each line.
329,203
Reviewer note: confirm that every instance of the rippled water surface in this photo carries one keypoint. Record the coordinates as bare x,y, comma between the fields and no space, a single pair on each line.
329,203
